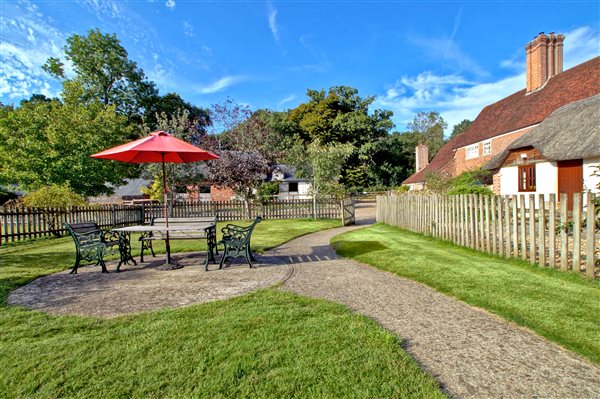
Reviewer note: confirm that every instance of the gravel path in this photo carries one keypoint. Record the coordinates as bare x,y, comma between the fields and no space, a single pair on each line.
472,353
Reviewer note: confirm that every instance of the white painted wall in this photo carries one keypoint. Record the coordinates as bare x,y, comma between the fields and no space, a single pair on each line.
546,174
590,182
303,191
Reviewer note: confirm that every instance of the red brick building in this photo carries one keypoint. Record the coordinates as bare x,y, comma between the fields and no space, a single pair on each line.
498,125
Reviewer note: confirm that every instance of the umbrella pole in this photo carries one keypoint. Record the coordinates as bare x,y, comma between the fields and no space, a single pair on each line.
167,243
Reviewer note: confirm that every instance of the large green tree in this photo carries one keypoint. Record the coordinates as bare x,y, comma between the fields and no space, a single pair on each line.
198,119
339,115
426,128
102,66
460,127
387,160
49,142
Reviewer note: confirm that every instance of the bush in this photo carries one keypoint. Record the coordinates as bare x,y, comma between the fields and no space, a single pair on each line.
54,196
266,191
402,189
471,182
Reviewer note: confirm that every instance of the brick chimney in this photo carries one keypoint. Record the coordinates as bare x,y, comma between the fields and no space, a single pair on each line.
422,156
544,59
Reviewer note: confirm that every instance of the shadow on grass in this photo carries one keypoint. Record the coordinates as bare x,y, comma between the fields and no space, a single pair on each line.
357,248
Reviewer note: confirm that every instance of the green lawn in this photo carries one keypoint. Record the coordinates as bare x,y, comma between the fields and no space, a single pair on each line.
268,344
563,307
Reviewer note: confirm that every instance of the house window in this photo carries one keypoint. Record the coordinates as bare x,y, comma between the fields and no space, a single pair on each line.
527,178
487,147
293,187
472,151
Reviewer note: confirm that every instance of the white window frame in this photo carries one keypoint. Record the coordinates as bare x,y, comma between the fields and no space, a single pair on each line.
472,151
487,147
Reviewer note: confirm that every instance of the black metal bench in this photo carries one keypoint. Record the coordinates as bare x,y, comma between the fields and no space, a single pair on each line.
206,229
91,243
236,240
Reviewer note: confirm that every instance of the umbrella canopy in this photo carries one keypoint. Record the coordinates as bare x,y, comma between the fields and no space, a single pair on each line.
157,147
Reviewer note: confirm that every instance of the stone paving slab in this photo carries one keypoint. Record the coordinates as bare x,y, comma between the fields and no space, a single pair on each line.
140,288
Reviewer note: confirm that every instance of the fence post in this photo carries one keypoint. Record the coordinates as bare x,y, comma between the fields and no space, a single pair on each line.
552,230
532,242
564,229
542,229
577,232
590,236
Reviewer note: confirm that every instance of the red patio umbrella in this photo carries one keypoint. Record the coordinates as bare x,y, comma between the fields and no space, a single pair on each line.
157,147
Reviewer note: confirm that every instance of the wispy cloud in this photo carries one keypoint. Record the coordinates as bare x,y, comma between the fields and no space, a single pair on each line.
170,4
221,84
188,29
286,100
457,97
321,63
272,15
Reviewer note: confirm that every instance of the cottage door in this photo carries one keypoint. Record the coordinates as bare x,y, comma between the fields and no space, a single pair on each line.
570,178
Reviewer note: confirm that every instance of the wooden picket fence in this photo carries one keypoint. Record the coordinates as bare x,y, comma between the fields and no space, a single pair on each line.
510,226
18,224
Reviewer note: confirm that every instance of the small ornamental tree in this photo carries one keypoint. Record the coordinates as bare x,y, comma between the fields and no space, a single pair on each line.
243,172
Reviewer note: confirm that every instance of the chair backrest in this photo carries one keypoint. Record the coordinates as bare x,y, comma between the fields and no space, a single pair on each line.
185,220
84,233
240,233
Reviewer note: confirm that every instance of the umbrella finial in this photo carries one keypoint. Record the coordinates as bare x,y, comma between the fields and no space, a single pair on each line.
160,133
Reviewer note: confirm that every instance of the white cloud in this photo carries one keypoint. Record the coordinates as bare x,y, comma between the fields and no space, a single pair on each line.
170,4
286,100
458,98
188,29
273,22
220,84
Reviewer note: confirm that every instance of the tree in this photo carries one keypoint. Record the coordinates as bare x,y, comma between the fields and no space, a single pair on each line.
339,116
102,66
321,164
48,142
171,104
386,160
427,128
243,172
460,127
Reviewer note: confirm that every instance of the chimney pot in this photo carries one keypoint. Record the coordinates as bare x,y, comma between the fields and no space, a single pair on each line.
544,59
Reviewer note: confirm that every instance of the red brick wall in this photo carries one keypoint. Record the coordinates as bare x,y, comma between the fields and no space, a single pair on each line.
498,145
221,193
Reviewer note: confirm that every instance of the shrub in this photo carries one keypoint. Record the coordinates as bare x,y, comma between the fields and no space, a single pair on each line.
266,191
471,182
402,189
54,196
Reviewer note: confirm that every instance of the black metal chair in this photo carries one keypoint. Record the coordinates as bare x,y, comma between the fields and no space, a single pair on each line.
236,242
91,243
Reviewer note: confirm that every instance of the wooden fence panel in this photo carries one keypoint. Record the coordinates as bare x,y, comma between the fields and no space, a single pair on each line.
511,226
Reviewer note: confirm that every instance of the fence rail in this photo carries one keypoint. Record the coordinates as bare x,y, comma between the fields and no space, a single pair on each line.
511,226
18,224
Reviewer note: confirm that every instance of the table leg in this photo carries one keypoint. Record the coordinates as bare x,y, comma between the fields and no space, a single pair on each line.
125,249
211,245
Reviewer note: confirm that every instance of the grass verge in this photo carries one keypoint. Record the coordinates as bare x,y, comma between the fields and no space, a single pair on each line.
267,344
563,307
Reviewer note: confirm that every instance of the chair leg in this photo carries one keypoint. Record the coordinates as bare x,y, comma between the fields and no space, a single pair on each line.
224,258
74,270
249,258
101,260
142,253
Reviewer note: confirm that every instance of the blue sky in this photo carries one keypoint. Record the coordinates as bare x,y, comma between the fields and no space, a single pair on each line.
454,57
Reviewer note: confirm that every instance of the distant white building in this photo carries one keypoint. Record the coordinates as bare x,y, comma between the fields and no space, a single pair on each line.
290,186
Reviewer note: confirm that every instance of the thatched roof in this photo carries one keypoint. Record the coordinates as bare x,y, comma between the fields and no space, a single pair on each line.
571,132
